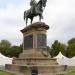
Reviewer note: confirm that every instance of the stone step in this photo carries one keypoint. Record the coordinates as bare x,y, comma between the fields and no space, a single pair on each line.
42,69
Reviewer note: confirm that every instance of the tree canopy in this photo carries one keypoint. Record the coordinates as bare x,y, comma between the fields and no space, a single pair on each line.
71,48
5,43
8,50
57,47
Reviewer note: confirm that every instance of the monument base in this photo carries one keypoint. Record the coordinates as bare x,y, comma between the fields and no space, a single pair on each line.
39,66
37,69
35,59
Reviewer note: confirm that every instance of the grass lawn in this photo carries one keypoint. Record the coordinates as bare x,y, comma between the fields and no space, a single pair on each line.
70,71
6,73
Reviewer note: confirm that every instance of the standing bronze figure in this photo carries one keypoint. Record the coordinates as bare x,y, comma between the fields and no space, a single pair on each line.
35,10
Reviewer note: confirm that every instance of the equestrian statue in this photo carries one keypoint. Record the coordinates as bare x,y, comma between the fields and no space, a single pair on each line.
36,9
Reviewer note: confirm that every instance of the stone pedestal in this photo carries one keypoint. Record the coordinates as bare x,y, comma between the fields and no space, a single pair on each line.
35,59
35,41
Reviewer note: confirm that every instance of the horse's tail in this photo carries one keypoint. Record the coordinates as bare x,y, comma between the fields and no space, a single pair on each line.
24,15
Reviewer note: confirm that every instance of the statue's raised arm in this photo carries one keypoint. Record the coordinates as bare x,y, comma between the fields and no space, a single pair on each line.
35,10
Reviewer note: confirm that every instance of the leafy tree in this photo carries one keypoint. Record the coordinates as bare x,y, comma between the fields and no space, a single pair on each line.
21,48
15,51
5,43
48,50
63,48
8,50
71,41
71,48
4,46
57,47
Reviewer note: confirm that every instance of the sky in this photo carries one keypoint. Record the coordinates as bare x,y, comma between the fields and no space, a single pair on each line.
58,14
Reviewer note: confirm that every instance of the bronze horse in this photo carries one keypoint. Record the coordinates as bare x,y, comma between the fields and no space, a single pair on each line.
36,11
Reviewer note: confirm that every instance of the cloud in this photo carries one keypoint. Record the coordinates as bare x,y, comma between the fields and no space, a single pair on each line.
60,15
11,22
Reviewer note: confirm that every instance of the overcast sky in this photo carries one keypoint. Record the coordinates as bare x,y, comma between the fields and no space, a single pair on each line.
58,14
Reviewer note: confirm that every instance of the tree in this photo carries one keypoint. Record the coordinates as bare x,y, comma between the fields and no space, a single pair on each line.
63,48
71,48
21,48
8,50
5,43
71,41
15,51
48,50
4,46
57,47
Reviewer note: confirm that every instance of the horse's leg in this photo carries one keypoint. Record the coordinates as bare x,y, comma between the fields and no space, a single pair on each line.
26,21
31,20
24,15
40,18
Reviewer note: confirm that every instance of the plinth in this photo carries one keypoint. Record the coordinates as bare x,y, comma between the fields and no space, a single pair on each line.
35,59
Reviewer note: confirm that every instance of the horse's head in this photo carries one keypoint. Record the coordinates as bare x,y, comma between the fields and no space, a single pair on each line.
43,2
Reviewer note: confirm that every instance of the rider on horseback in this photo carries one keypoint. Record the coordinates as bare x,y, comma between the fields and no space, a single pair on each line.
35,10
32,4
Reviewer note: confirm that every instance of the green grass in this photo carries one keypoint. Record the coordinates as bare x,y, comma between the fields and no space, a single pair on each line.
6,73
70,71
